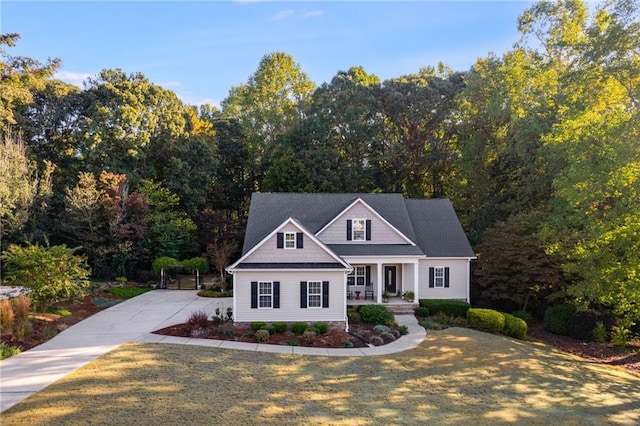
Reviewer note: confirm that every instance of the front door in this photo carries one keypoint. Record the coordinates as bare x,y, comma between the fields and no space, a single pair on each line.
390,279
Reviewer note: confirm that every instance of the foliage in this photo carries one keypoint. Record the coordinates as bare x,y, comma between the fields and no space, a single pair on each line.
58,311
7,351
620,335
556,318
164,262
299,327
7,317
421,311
409,295
309,336
198,319
600,332
514,326
524,315
376,341
128,292
280,326
353,316
196,264
450,307
52,273
21,307
257,325
322,327
262,336
430,324
375,314
450,320
103,303
214,293
404,330
486,320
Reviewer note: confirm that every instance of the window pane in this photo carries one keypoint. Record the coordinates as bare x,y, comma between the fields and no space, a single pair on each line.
290,240
358,230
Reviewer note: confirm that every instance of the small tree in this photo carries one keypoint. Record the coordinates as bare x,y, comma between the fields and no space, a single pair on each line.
52,273
220,253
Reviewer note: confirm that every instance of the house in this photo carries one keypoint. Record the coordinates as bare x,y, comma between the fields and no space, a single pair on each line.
306,255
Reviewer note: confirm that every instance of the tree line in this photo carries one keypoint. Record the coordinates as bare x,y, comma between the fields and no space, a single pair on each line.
537,149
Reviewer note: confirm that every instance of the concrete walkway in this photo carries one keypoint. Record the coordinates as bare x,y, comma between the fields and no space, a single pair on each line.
132,321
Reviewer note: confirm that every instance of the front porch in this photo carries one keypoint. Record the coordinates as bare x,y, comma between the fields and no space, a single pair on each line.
371,279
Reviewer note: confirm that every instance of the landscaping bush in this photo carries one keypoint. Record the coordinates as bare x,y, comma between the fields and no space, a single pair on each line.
600,332
58,311
375,314
262,336
404,330
271,329
556,318
127,292
6,316
346,343
309,336
524,315
322,327
198,319
450,307
21,307
450,320
214,293
421,312
431,325
515,327
257,325
485,320
387,337
280,327
353,316
299,327
381,328
377,341
6,351
582,324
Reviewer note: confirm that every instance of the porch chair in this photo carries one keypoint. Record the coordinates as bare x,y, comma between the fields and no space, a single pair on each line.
369,294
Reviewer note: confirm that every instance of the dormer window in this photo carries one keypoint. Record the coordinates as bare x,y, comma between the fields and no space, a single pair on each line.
289,240
358,230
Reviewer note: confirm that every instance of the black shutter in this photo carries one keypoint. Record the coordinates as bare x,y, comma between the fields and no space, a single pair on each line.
446,277
431,275
367,275
349,230
368,230
325,294
276,294
254,294
303,294
299,240
280,239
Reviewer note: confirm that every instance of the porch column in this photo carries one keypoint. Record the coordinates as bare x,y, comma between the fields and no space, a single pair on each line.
416,280
379,282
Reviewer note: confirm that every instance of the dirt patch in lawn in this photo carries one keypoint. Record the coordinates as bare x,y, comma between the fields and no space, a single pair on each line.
455,376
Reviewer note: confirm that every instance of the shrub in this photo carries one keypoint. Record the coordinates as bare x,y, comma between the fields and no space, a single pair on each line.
214,293
293,342
582,324
280,327
346,343
620,335
6,316
59,311
600,332
353,316
431,325
257,325
299,327
450,320
381,328
387,336
127,292
22,328
377,341
396,333
21,307
6,351
421,312
485,320
404,330
524,315
556,318
262,336
271,329
198,319
515,327
322,327
450,307
309,336
375,314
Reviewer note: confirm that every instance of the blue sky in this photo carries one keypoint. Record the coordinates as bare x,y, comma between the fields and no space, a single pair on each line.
200,49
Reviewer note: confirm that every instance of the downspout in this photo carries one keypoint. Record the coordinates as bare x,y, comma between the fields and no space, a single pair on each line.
469,280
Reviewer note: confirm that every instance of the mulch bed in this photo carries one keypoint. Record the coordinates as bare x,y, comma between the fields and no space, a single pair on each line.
358,335
605,353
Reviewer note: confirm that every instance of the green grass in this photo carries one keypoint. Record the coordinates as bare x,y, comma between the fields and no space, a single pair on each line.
127,292
456,376
58,311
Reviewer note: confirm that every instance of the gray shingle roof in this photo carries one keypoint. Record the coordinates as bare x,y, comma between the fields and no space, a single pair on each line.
432,224
375,249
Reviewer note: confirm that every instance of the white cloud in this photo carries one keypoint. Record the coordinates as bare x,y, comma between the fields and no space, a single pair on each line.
283,14
75,78
312,14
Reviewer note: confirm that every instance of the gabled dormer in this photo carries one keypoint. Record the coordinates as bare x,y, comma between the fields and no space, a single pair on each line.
359,223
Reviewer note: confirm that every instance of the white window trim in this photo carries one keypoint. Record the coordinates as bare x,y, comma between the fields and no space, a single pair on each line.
270,294
287,234
309,294
355,275
436,277
353,229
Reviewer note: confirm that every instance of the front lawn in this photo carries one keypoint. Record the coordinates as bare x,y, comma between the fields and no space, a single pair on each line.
456,376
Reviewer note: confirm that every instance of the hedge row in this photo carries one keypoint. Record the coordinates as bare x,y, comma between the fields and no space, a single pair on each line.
496,322
450,307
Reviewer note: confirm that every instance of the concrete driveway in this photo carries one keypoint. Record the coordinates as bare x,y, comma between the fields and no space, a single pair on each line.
29,372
